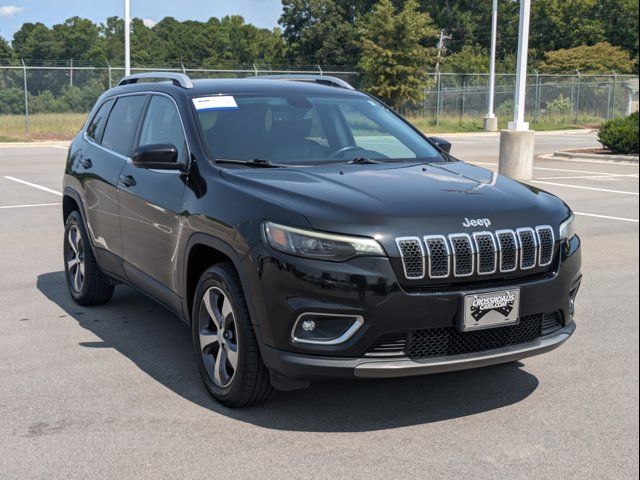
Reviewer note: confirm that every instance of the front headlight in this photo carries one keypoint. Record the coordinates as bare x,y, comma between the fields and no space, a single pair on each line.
322,246
567,228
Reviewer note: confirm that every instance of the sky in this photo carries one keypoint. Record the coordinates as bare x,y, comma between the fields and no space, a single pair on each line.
13,13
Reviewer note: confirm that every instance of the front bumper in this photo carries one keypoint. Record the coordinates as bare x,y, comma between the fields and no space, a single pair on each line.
311,367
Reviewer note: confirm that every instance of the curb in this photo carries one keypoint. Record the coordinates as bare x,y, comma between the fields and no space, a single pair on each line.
55,143
577,131
592,158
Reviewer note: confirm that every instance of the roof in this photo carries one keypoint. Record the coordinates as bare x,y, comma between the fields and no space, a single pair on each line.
263,85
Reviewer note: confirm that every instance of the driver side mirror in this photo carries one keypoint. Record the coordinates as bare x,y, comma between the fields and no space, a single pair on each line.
441,143
160,156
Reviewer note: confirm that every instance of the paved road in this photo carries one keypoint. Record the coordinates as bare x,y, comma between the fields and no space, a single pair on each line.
113,392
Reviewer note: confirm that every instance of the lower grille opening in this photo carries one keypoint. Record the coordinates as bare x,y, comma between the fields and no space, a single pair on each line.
439,342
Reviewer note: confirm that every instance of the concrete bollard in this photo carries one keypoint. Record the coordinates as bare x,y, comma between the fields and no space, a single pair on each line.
490,124
516,154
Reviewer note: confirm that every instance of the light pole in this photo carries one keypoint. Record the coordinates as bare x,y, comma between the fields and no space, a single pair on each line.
517,142
127,38
490,121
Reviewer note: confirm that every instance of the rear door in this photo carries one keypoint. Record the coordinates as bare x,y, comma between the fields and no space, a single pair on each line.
150,205
110,136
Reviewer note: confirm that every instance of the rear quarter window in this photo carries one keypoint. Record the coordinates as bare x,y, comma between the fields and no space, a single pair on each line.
98,122
123,123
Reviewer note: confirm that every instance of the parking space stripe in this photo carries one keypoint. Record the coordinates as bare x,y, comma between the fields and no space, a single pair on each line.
30,205
622,192
34,185
608,217
604,175
566,169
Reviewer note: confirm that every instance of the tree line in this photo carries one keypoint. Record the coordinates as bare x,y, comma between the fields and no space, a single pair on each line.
392,42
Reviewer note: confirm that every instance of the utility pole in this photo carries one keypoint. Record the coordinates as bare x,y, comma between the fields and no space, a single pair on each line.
490,121
127,38
441,46
517,142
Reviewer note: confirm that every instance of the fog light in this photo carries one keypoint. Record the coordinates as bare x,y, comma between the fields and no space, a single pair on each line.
573,293
325,328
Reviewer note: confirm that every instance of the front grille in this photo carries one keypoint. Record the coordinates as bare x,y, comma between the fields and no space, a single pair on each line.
437,342
482,253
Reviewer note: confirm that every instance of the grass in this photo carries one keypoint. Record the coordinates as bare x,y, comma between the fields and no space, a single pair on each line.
63,126
42,126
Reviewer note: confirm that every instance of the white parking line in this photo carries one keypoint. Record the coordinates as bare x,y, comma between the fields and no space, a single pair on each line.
564,169
30,205
607,217
605,176
623,192
34,185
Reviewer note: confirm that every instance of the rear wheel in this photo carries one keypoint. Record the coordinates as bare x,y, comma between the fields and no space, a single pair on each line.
87,284
225,344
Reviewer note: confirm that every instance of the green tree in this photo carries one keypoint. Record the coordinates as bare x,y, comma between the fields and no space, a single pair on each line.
599,58
397,52
6,52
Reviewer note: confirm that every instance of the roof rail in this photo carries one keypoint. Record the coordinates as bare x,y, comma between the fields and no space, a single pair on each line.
322,79
178,79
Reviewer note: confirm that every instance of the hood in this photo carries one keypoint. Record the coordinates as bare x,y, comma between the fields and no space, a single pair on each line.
396,200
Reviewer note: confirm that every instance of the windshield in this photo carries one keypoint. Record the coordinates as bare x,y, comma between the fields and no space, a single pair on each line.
299,129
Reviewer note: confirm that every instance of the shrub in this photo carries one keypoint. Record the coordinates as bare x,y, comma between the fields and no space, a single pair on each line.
559,106
621,135
505,109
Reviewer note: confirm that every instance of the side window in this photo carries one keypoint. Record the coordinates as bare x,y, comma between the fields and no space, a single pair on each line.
96,127
162,125
123,123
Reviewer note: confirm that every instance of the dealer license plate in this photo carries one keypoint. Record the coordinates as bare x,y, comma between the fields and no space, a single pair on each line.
491,309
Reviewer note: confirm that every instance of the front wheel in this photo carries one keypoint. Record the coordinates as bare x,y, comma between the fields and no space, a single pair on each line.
225,343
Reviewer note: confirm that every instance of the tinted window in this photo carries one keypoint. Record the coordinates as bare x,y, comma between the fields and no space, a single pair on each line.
162,125
122,124
96,127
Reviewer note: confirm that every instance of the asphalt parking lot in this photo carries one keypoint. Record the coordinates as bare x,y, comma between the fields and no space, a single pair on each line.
113,391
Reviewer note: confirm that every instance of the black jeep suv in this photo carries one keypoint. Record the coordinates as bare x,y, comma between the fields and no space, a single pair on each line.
306,231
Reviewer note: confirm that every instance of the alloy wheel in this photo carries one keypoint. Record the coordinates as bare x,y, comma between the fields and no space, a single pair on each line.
218,337
75,259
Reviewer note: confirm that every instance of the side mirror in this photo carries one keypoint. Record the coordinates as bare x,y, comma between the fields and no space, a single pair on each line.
441,143
160,156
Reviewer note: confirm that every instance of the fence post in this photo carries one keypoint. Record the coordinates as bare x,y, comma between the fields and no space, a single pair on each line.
184,70
536,97
255,70
464,89
578,96
71,74
26,98
615,87
438,82
320,69
109,70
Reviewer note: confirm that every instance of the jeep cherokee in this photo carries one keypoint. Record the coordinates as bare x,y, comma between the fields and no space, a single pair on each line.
306,231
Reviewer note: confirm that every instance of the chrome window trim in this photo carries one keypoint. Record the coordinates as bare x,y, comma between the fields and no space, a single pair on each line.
357,323
447,247
535,246
495,252
455,254
553,244
516,244
404,266
124,157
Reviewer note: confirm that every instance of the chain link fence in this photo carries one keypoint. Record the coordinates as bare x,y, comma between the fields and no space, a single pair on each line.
30,94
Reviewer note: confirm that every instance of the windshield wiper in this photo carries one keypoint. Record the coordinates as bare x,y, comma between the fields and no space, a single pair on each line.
256,162
363,161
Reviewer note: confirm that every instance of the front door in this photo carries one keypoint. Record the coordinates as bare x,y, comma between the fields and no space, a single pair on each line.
150,204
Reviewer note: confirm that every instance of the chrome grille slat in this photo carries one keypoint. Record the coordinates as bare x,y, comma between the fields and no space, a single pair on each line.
479,253
486,252
438,256
528,248
463,254
508,246
546,242
412,253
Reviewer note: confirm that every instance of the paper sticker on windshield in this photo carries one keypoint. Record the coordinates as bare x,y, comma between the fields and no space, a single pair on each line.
215,103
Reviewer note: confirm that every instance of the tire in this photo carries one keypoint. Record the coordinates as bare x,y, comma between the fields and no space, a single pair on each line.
87,284
224,341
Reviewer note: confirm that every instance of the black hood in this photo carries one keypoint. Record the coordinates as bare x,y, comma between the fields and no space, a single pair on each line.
400,199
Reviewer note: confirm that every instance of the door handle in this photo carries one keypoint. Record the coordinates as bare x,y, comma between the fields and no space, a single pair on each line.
86,163
127,180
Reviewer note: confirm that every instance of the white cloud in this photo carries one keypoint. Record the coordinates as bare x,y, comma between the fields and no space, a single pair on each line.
149,23
9,11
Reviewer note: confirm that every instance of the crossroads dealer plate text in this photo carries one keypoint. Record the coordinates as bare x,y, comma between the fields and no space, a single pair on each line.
492,309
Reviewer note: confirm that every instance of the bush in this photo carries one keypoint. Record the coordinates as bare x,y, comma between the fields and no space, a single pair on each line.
560,106
621,135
